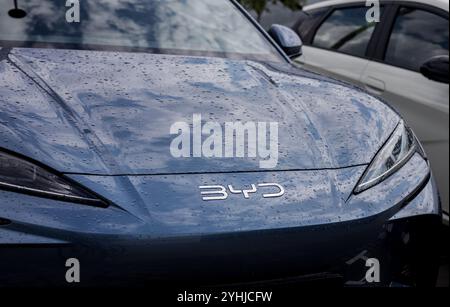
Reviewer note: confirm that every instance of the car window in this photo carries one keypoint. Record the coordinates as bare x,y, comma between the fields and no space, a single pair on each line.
305,23
417,36
188,27
345,30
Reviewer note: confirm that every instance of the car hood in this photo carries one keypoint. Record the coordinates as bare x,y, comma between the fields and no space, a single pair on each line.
106,113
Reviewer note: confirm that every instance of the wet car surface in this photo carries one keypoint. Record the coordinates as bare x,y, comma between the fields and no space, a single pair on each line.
96,125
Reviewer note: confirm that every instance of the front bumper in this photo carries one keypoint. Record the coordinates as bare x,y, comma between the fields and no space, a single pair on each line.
396,222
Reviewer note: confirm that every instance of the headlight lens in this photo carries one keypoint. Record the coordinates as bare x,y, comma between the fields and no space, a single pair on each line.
395,153
19,175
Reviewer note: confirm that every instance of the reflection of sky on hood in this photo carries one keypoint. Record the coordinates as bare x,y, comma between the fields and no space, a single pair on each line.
169,24
174,203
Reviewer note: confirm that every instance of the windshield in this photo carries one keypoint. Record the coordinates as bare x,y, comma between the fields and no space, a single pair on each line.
191,27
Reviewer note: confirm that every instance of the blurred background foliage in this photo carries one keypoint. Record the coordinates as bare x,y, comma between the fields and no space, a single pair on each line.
261,6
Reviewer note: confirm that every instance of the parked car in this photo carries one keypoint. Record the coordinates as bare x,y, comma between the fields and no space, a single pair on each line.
88,175
403,59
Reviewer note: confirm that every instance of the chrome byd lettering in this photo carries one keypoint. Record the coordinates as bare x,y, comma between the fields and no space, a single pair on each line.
219,192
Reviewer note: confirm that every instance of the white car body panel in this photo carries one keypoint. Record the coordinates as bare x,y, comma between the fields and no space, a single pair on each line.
423,103
338,65
443,4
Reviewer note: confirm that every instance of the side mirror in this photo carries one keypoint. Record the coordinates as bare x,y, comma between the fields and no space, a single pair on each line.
287,39
436,69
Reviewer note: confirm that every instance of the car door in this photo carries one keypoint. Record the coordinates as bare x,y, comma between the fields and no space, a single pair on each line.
338,47
418,32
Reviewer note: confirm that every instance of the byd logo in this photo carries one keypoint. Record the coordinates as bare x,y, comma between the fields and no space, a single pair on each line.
219,192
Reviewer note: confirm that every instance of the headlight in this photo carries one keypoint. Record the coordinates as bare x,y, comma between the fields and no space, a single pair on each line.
19,175
395,153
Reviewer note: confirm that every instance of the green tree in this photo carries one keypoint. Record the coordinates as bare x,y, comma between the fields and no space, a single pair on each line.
260,6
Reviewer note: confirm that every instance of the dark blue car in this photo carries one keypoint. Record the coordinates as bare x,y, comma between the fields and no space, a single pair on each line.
174,141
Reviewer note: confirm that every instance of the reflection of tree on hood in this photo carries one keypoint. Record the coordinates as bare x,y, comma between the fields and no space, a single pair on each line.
259,6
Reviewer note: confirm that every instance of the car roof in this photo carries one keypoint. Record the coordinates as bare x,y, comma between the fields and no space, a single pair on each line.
442,4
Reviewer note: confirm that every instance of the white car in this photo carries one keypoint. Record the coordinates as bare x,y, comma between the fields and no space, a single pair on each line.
403,58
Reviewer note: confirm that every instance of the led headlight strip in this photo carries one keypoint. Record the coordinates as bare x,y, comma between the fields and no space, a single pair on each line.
399,148
22,176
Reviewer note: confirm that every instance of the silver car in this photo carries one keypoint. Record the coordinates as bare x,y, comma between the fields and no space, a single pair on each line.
402,58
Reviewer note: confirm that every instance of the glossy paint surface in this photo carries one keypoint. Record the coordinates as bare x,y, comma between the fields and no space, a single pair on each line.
166,206
109,113
103,119
160,229
107,127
